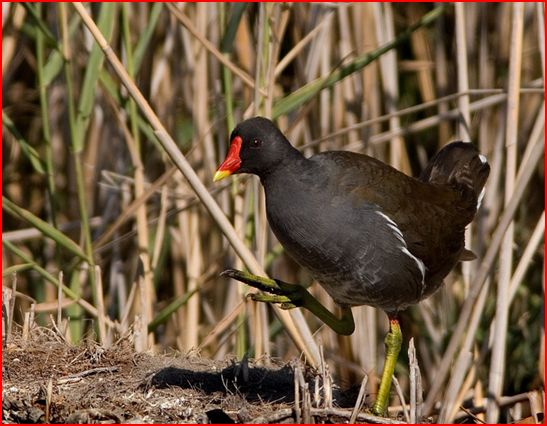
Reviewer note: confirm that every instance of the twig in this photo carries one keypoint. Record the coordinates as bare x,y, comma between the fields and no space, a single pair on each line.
60,329
401,397
464,123
416,391
274,417
297,410
504,401
141,326
49,394
101,317
360,399
12,304
327,412
473,416
28,323
305,400
306,404
463,79
536,406
5,308
60,300
327,381
78,376
540,10
160,230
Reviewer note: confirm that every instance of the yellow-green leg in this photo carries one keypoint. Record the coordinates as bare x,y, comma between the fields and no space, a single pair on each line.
291,296
393,341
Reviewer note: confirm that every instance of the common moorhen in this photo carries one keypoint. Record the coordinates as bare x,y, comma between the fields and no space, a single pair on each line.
369,234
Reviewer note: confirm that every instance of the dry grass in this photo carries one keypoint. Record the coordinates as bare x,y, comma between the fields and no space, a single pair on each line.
109,151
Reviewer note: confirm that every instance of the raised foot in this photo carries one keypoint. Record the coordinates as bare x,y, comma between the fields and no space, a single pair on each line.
291,296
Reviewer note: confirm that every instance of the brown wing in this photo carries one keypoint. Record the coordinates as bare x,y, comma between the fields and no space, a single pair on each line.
429,216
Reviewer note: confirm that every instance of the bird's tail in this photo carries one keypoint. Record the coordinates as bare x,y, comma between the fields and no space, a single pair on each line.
460,166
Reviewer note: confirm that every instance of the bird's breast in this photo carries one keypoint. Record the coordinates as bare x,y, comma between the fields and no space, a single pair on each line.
354,251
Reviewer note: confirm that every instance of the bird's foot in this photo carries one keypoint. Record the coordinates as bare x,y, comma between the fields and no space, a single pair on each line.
288,296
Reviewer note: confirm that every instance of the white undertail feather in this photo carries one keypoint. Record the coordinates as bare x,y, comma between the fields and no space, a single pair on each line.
481,195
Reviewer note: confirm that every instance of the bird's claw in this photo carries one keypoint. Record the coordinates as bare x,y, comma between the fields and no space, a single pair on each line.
285,302
289,296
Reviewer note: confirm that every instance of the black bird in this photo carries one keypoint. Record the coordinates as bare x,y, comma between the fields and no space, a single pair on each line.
369,234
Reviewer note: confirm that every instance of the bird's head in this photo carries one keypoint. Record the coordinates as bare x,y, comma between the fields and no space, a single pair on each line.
256,146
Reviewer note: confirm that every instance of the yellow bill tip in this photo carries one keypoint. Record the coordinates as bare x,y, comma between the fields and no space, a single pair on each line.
221,174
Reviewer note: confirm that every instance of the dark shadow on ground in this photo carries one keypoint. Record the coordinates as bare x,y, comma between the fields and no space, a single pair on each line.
255,383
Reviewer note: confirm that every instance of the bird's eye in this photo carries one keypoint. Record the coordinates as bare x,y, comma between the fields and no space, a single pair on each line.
256,143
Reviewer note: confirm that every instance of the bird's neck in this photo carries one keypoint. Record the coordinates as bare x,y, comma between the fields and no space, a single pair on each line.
290,161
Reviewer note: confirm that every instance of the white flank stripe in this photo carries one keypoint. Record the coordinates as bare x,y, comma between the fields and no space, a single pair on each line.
403,247
420,264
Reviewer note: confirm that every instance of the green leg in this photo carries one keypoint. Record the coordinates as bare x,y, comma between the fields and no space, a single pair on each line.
393,341
291,296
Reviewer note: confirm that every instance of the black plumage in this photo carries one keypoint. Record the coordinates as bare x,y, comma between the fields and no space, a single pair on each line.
369,234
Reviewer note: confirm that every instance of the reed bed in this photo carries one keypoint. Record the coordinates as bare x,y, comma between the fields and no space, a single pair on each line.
115,117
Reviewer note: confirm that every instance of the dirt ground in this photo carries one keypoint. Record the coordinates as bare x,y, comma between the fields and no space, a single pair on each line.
46,380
